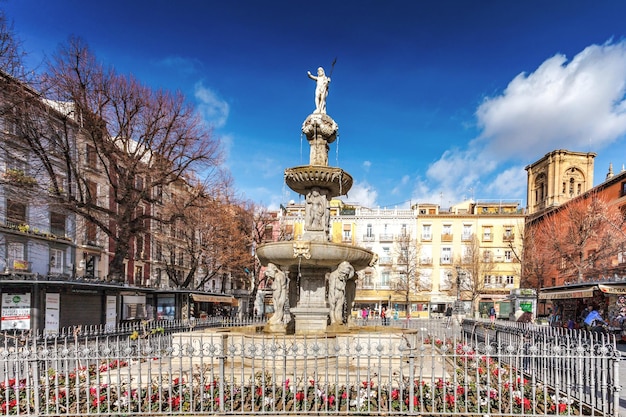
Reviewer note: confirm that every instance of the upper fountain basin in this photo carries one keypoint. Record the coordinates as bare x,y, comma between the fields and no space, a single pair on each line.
307,254
303,178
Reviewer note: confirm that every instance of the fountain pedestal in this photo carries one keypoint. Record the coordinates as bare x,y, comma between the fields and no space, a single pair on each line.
311,311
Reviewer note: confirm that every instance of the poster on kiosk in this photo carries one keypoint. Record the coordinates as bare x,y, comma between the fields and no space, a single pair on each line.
15,312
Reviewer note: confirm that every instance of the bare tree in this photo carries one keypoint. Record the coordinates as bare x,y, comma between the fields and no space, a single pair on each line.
534,262
583,237
145,146
213,242
476,264
408,277
11,52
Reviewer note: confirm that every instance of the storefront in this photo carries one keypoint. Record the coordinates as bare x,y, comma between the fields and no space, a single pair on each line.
566,305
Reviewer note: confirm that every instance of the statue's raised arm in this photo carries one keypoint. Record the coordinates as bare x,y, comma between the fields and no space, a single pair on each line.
321,90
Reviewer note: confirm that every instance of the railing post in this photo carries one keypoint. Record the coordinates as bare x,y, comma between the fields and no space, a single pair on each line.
222,371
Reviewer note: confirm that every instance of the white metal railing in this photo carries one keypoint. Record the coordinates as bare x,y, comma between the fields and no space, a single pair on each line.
423,368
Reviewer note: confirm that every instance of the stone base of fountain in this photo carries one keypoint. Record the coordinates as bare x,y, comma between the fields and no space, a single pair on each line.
310,320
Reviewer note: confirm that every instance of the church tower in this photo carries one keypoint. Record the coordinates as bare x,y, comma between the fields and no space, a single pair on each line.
558,177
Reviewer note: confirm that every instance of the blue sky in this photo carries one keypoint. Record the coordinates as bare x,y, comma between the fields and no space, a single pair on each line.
436,101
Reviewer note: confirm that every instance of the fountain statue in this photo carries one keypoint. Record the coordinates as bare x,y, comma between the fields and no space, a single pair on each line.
311,262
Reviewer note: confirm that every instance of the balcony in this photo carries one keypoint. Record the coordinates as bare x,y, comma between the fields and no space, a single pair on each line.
369,238
466,238
445,261
508,237
446,237
385,237
426,261
385,260
427,237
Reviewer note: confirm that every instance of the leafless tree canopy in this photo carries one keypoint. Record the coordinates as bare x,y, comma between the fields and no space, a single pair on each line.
476,264
148,145
583,237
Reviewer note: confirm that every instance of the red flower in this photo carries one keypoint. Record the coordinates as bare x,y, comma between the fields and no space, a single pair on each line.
312,381
344,395
415,401
299,396
367,384
460,390
450,400
259,391
174,402
331,400
287,384
395,394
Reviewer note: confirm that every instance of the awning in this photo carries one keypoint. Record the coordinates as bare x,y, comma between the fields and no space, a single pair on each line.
612,289
580,292
205,298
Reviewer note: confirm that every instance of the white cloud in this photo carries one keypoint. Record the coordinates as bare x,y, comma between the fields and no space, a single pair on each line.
367,165
578,105
213,109
364,194
562,104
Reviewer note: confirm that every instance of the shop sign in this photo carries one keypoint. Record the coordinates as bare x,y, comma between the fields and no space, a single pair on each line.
53,303
15,312
612,289
111,312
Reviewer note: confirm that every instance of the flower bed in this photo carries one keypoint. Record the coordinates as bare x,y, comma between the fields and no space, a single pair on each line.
478,384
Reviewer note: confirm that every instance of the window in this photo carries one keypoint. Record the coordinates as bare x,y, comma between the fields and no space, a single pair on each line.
91,234
508,256
427,232
16,212
139,182
91,156
487,233
181,258
384,279
403,230
369,232
510,280
426,257
499,279
16,256
508,233
467,232
56,261
92,193
446,255
158,251
347,233
487,256
158,193
139,247
57,224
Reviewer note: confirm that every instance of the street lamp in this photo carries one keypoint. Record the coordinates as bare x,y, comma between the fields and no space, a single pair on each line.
458,288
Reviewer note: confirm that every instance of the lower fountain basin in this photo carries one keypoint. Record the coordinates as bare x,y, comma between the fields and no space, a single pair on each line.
311,254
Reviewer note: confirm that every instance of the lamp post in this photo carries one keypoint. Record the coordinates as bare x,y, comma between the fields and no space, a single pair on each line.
458,289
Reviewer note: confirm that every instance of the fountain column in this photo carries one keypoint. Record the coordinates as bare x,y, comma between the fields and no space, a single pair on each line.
311,258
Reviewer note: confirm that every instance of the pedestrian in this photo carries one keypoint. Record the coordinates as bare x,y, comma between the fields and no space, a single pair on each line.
364,314
383,315
492,314
448,315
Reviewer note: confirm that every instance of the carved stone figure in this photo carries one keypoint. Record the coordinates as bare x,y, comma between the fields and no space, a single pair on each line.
337,290
279,292
315,210
321,90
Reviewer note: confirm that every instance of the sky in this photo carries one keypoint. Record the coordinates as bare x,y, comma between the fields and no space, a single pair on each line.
436,101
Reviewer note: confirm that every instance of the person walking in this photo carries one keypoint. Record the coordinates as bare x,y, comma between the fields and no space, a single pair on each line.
383,315
492,314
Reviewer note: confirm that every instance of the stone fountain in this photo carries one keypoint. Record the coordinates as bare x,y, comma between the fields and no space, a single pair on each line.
313,276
